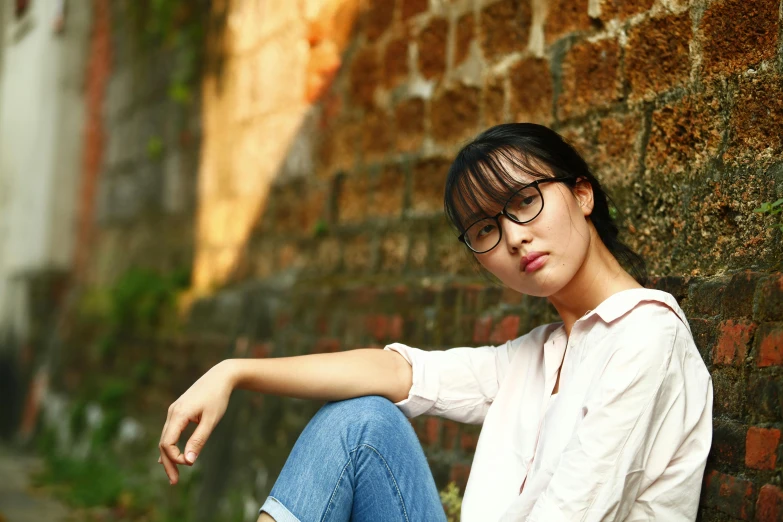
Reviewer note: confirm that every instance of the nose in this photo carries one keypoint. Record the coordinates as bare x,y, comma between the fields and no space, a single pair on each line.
514,234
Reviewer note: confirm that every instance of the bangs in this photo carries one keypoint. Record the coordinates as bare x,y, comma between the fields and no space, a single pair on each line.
481,181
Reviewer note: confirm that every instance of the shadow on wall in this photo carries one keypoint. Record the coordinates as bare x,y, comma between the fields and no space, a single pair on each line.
277,59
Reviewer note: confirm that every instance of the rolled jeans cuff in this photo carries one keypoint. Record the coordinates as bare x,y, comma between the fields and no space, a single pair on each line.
277,510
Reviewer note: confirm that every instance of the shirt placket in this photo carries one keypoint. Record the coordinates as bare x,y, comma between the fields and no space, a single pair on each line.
549,385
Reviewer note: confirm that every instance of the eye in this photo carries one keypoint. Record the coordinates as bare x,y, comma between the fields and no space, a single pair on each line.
485,231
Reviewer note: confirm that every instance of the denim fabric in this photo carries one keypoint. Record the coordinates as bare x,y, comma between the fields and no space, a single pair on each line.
356,460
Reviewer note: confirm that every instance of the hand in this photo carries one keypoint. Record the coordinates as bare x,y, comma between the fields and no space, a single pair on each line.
203,403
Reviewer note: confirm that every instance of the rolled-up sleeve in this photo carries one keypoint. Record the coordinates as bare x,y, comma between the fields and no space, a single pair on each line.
652,406
458,384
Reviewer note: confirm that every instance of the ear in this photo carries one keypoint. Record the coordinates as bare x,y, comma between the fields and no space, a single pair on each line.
583,192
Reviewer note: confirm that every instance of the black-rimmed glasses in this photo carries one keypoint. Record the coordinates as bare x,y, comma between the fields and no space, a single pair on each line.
522,207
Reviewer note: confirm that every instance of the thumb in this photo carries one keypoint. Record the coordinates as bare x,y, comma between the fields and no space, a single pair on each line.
197,440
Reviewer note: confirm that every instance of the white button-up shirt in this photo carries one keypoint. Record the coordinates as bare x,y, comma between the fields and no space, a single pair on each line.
626,437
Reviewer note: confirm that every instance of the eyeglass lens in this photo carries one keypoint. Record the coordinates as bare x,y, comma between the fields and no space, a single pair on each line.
523,206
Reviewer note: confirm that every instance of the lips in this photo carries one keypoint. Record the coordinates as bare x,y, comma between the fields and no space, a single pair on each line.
533,261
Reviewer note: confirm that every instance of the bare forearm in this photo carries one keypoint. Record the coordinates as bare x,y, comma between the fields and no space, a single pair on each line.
333,376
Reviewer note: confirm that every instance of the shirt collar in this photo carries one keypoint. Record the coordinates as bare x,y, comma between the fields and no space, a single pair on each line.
619,304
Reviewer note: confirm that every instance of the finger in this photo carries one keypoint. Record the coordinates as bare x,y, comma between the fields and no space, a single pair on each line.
168,443
159,461
198,440
170,468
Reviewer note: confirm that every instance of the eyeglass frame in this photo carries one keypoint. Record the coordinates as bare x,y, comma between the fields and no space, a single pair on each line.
511,218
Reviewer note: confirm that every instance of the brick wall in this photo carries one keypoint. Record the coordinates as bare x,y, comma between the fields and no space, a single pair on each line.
677,106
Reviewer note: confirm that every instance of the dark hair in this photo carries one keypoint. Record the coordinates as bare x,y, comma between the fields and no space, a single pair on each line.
479,178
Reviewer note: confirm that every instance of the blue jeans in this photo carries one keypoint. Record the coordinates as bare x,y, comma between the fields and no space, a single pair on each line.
356,460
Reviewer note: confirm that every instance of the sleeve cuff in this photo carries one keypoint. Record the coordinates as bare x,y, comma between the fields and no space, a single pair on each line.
424,391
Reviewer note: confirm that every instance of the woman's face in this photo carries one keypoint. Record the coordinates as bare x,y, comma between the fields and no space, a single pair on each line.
542,256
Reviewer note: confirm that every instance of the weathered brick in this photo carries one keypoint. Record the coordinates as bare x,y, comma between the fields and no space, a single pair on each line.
395,62
378,18
388,193
728,494
770,344
616,156
505,330
591,77
482,330
657,55
738,34
329,252
494,101
761,448
738,298
565,16
326,345
469,441
756,120
429,178
377,135
769,299
412,8
465,33
531,91
338,150
357,254
455,113
432,429
769,506
459,475
729,392
409,116
394,251
685,134
365,75
432,48
733,340
449,254
450,432
705,333
705,298
505,27
765,397
728,443
352,199
619,9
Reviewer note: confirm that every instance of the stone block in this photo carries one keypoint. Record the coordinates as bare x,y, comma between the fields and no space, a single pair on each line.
377,134
769,506
657,56
738,298
357,254
395,62
505,28
365,75
590,77
411,8
738,34
616,154
768,302
765,396
729,392
493,99
394,252
455,113
388,193
531,94
620,9
378,18
734,339
352,199
728,494
465,32
728,443
429,180
338,150
432,43
761,448
565,16
756,120
409,118
770,345
685,134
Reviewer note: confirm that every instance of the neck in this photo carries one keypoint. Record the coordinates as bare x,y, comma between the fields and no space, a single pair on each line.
599,277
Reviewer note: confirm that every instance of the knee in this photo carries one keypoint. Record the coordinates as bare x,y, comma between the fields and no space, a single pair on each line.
371,413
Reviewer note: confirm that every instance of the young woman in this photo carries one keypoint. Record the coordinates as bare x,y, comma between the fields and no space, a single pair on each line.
605,415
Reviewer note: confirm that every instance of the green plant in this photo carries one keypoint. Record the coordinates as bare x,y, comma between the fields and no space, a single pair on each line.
154,148
452,502
773,209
